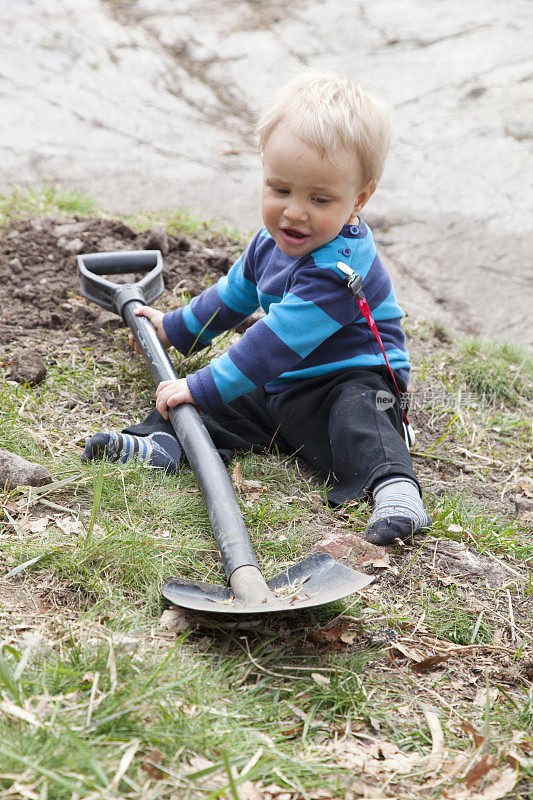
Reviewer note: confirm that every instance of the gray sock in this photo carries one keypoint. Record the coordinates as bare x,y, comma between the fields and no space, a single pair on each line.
398,513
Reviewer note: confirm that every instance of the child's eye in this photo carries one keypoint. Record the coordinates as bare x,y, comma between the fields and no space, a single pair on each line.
280,190
321,200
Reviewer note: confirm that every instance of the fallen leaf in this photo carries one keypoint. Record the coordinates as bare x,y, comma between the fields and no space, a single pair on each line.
480,769
237,476
501,787
455,528
152,760
336,636
436,756
322,680
380,563
175,619
213,780
70,526
373,759
477,736
255,486
429,663
480,699
37,525
408,652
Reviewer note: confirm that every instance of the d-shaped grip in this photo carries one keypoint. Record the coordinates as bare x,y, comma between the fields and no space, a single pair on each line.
113,296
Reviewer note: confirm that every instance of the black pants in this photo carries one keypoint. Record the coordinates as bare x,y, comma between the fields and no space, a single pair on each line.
333,422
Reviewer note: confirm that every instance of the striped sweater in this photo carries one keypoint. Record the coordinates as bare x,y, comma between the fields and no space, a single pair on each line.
312,324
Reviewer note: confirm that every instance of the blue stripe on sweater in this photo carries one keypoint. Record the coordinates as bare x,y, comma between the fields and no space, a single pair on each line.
236,291
202,334
387,308
229,379
396,360
302,325
264,356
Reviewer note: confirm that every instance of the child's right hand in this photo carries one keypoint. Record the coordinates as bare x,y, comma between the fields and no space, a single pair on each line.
156,318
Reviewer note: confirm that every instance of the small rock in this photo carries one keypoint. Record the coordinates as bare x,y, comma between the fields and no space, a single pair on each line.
15,263
523,506
13,235
29,367
175,619
128,644
157,240
74,246
16,471
70,228
85,314
107,319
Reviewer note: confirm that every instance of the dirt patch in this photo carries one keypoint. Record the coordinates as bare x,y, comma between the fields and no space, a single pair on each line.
39,287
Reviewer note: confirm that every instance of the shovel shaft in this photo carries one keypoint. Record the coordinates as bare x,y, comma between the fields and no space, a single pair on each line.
213,478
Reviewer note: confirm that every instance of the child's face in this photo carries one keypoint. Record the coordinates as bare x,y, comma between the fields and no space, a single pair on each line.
307,198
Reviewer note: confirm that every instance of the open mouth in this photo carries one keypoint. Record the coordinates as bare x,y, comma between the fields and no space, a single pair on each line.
293,235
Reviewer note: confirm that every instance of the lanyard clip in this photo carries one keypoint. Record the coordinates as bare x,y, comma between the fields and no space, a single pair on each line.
353,279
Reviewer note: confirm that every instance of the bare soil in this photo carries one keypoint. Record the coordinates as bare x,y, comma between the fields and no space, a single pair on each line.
40,299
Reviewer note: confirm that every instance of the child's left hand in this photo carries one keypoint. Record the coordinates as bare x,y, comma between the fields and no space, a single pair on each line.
170,394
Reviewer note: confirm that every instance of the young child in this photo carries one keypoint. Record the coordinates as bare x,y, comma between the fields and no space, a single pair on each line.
308,377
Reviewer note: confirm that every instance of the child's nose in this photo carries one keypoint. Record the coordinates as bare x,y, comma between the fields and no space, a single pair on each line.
295,210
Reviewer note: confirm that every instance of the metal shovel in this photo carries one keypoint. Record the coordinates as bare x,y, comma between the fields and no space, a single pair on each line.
316,580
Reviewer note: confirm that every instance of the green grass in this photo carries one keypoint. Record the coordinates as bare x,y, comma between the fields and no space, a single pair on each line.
45,200
496,371
184,221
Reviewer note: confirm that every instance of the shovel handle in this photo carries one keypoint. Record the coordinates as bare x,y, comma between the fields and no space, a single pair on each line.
213,479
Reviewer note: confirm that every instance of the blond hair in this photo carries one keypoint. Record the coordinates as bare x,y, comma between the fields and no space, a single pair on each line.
328,112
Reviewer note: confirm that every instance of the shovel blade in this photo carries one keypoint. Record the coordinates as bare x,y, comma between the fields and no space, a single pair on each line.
315,581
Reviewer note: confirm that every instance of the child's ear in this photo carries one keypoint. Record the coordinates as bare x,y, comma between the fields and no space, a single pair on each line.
363,197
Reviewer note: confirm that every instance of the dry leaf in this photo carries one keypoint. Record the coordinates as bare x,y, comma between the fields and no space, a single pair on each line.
152,760
373,759
429,663
237,476
322,680
480,769
37,525
477,737
408,652
70,526
255,486
214,780
455,528
175,619
437,740
480,699
337,636
380,563
503,784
